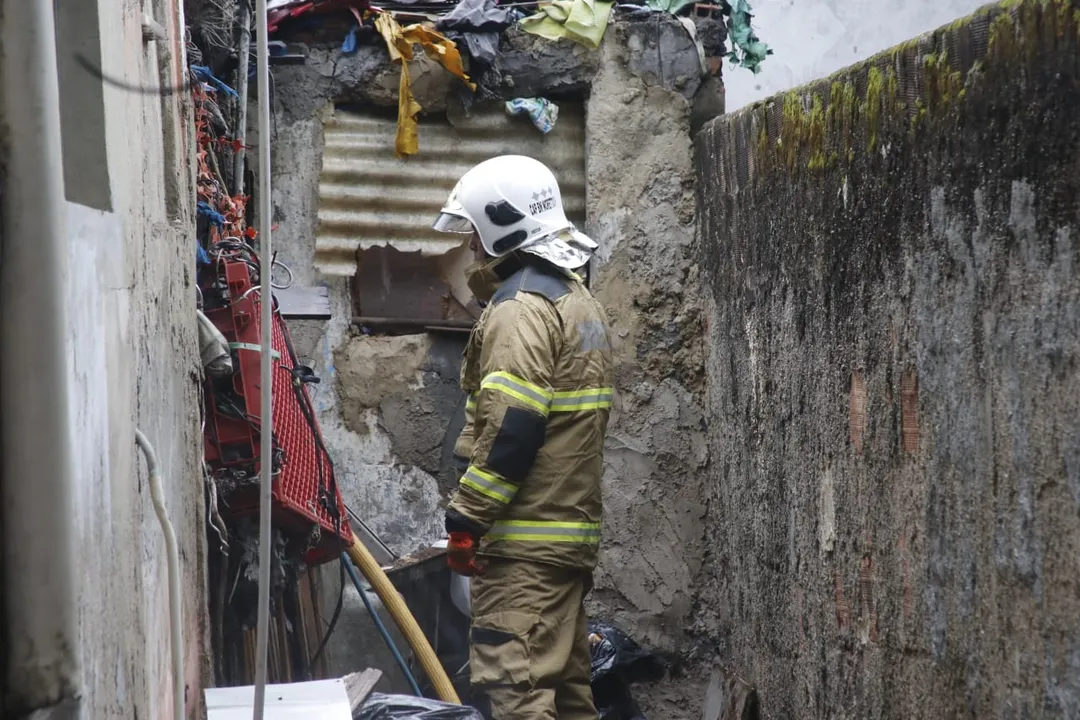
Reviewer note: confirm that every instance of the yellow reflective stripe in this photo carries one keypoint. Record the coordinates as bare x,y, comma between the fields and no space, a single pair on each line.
544,531
487,484
470,404
587,399
532,395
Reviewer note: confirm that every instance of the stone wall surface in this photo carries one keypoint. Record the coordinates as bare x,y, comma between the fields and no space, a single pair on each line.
892,383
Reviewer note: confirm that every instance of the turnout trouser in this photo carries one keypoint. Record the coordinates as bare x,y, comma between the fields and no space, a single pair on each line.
529,649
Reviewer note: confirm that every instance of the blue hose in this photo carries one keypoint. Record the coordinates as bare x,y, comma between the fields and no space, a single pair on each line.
380,626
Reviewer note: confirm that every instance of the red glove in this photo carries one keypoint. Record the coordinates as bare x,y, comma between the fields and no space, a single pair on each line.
461,554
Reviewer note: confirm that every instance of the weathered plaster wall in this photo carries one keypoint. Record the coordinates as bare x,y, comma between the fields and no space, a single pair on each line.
893,389
641,211
133,358
385,403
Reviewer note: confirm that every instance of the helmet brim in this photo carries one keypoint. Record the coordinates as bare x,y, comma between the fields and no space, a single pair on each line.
450,223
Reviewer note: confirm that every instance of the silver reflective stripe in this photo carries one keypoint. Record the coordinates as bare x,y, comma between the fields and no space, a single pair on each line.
546,530
489,486
539,531
569,403
517,387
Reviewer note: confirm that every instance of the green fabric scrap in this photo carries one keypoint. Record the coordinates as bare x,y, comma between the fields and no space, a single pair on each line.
583,21
747,50
669,6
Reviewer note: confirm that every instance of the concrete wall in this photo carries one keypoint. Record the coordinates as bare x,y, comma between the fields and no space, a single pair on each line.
892,380
385,403
813,38
133,358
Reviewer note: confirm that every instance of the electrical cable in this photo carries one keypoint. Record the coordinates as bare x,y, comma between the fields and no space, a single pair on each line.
386,548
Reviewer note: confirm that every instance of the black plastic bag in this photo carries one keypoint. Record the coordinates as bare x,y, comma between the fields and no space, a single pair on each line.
612,651
618,661
407,707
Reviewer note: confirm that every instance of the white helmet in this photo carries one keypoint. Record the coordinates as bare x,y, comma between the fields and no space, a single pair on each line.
513,202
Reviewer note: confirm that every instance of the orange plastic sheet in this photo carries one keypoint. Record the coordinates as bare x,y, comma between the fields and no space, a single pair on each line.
399,43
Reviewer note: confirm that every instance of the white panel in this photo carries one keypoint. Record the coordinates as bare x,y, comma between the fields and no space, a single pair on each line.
319,700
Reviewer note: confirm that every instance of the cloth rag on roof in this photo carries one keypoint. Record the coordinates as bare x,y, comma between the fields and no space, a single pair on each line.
669,6
399,43
747,49
583,21
541,111
478,23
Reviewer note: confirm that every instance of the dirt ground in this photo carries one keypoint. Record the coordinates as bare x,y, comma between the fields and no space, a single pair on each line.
673,698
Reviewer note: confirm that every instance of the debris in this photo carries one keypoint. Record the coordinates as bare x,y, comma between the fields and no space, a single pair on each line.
730,699
583,21
203,74
635,11
617,662
748,50
669,6
407,707
541,111
399,43
478,23
358,686
348,47
213,349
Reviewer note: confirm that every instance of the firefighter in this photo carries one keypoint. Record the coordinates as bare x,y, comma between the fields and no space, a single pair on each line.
525,519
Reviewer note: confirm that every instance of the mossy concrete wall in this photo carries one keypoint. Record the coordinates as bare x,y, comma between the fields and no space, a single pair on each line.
893,379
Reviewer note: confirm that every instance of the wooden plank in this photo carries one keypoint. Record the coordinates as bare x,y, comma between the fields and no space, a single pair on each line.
306,303
359,685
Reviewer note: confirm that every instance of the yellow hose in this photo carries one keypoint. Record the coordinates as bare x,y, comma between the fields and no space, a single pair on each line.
386,591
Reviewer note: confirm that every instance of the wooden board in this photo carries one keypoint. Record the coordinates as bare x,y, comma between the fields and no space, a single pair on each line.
306,303
359,685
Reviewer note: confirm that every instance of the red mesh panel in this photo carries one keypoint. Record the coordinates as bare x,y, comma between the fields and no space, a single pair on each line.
233,444
297,486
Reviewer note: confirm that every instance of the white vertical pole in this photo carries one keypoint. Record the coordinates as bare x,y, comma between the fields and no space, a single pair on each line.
266,301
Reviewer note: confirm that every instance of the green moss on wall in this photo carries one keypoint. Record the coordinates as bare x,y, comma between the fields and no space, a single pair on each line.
909,87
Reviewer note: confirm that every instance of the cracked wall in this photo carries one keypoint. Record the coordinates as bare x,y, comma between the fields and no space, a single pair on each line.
385,403
892,379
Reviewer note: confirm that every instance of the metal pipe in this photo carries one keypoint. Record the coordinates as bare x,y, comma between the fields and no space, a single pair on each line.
172,556
242,96
266,414
40,631
381,627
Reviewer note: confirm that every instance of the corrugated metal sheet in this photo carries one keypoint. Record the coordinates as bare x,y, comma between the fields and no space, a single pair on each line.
368,197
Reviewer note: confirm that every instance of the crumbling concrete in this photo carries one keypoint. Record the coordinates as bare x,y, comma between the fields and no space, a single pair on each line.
893,519
385,403
641,211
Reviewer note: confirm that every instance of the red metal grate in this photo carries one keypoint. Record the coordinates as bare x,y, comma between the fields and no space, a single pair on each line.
233,444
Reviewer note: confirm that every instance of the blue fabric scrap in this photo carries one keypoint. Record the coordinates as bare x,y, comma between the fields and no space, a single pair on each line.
349,46
204,75
541,111
212,215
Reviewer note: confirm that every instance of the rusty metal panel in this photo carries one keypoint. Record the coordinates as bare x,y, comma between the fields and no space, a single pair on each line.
369,198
